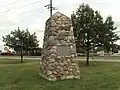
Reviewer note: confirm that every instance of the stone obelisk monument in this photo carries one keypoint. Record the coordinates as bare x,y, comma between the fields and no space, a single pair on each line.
59,50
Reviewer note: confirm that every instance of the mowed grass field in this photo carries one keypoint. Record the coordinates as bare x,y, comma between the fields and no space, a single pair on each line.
25,76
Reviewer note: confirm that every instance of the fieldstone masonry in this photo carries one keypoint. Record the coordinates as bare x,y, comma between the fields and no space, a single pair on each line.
59,50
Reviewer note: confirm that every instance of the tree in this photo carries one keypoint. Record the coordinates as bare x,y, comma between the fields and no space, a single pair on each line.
87,24
90,31
110,36
21,40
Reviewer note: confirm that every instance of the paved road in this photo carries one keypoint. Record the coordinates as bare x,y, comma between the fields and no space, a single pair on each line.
79,58
18,57
102,60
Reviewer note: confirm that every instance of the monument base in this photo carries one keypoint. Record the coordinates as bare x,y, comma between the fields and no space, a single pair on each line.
64,78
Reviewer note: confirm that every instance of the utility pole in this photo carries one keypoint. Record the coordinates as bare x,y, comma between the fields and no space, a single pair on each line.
83,1
50,7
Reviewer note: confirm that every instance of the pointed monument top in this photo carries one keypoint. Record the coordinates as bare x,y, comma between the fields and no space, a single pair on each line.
57,15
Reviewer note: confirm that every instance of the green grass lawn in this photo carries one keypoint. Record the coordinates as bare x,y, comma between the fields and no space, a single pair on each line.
25,76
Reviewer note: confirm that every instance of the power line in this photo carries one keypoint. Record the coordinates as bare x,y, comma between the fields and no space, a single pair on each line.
27,5
10,3
30,4
32,13
10,7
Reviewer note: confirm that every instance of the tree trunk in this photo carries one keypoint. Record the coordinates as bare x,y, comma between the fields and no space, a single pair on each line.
112,48
28,52
88,47
21,56
87,62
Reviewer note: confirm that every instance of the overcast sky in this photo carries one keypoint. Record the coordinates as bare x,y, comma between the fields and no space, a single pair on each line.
32,14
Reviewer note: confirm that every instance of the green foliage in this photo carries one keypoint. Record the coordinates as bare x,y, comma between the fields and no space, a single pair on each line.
90,31
87,25
110,35
21,39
